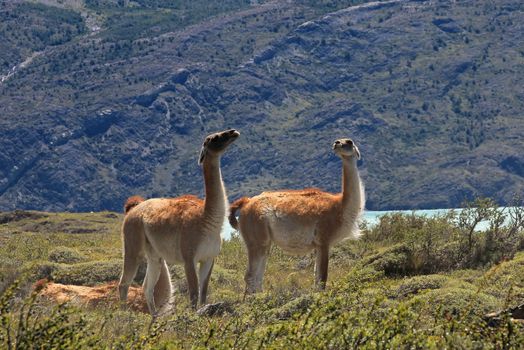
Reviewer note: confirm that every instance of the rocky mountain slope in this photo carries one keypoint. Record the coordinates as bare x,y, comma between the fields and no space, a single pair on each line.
119,104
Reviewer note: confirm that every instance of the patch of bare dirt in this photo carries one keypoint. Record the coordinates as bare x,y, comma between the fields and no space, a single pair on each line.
101,295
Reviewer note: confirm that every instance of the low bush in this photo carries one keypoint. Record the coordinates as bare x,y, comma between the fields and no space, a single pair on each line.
420,283
297,306
506,280
65,255
394,260
458,302
87,274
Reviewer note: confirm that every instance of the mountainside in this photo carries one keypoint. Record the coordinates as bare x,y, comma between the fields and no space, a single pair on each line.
105,99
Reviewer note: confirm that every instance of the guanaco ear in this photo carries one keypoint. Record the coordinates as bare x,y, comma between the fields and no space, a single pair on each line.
203,153
357,151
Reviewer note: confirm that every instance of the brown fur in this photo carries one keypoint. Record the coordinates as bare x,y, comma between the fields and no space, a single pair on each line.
239,203
132,202
183,230
100,295
300,220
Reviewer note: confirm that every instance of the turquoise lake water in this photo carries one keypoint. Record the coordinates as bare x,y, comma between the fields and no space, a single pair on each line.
372,218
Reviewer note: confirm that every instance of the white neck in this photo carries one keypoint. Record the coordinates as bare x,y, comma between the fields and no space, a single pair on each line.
216,200
352,191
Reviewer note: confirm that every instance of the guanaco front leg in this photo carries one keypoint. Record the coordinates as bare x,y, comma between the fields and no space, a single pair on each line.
321,266
192,282
204,274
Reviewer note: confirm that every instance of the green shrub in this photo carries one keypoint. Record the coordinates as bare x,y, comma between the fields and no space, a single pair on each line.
455,301
87,274
419,283
506,281
394,228
296,306
65,255
393,261
43,270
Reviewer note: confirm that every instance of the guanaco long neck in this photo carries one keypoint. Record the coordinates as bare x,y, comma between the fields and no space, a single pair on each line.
215,201
352,191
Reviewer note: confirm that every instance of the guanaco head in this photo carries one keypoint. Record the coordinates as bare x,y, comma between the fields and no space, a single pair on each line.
346,148
216,144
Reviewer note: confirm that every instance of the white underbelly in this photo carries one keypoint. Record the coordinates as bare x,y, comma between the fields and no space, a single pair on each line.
165,244
172,254
208,248
293,237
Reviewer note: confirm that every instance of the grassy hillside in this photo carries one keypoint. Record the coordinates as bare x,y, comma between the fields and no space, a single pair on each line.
410,282
429,90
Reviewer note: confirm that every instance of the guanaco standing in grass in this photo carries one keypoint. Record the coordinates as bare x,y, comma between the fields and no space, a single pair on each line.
184,230
299,221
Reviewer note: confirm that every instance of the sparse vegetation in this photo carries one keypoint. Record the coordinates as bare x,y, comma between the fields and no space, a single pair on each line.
380,294
154,17
28,27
